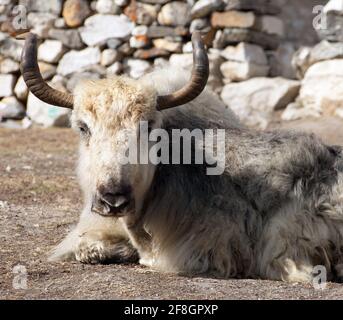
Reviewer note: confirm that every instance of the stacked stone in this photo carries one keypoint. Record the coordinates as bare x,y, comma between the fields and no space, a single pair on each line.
96,39
249,34
257,31
321,69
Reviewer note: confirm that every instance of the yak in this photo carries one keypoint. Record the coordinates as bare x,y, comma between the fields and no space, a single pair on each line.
274,212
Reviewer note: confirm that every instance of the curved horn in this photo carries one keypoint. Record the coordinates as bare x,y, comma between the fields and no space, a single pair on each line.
33,78
197,82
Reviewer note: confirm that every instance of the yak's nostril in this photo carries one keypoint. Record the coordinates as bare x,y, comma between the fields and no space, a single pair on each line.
112,200
115,200
121,200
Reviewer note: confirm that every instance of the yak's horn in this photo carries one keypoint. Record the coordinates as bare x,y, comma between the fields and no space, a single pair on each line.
197,82
33,78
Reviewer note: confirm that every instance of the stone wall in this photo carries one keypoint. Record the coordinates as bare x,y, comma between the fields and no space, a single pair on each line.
95,39
320,69
298,19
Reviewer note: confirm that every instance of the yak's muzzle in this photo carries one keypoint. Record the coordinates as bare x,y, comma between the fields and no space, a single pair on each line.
112,200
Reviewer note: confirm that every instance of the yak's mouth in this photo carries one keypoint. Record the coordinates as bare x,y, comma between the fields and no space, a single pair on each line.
107,210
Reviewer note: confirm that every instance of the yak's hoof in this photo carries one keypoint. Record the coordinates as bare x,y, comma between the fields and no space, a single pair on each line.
90,252
104,251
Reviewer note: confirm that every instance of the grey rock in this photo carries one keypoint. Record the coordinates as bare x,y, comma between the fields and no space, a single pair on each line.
26,123
21,91
305,57
233,19
258,6
11,108
125,49
8,65
70,38
175,13
322,88
40,23
11,48
168,45
7,82
334,6
280,61
155,1
51,6
332,30
203,8
121,3
6,2
109,56
113,43
78,60
136,67
240,71
51,51
187,47
59,81
181,60
99,28
140,31
47,70
162,31
76,78
138,42
161,63
107,7
326,51
236,35
300,61
46,114
245,52
114,69
15,124
60,23
271,25
295,111
255,100
215,79
3,36
97,69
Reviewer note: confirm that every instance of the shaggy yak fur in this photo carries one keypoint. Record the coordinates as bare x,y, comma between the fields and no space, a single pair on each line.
276,212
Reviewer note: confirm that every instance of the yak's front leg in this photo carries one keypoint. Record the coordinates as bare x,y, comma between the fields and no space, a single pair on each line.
96,239
140,239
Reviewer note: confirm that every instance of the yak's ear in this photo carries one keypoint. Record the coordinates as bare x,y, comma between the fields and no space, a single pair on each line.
34,80
197,82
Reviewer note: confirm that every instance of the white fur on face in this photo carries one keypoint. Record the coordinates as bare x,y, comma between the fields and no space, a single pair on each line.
110,111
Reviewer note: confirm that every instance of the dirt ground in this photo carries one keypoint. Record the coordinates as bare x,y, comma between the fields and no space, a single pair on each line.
39,203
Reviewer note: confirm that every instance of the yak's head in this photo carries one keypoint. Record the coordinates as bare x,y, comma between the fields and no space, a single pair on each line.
110,115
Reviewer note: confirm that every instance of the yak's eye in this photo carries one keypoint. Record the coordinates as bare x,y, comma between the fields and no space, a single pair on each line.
83,128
